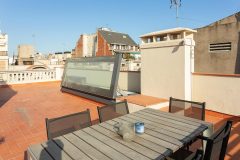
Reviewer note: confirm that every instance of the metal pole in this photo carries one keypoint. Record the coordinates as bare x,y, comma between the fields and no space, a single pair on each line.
177,14
177,4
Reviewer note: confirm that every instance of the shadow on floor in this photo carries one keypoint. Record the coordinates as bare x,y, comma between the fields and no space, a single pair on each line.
25,155
2,139
6,93
96,121
233,148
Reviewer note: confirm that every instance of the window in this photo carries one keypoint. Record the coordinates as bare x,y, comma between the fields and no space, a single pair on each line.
112,47
161,38
175,36
150,40
220,46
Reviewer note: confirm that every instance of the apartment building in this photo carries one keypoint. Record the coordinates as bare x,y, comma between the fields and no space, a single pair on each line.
3,51
104,43
25,55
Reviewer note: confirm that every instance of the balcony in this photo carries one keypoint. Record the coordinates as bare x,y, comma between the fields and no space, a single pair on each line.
3,53
24,108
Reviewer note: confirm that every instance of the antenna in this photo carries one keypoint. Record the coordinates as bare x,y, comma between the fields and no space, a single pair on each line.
34,43
176,4
0,27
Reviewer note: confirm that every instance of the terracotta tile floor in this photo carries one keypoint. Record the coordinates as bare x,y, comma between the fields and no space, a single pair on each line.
23,109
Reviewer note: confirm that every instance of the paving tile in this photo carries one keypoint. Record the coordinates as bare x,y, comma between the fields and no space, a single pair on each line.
24,111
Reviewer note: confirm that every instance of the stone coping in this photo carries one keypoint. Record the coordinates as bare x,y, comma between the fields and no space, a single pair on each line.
143,100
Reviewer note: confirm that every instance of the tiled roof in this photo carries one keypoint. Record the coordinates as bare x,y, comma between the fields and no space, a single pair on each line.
117,38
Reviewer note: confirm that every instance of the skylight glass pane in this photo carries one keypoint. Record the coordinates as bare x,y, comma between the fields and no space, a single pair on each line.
93,75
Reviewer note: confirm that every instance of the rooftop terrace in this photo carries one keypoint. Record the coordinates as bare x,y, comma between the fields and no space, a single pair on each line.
23,109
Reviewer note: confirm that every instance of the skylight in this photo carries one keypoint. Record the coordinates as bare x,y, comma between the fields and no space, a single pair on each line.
96,76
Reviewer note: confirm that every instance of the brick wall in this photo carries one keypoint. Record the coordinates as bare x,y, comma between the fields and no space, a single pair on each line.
79,47
103,48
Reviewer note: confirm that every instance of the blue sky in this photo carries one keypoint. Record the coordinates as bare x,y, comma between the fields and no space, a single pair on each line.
53,26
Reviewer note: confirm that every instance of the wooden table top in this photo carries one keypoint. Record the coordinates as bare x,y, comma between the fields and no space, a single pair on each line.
164,134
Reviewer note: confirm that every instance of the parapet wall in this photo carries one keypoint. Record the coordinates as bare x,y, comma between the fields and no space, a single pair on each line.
220,92
130,81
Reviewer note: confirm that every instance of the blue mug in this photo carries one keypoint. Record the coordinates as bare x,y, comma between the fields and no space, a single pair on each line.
139,127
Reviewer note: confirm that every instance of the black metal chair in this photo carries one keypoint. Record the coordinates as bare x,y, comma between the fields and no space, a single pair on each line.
66,124
191,109
216,146
187,108
111,111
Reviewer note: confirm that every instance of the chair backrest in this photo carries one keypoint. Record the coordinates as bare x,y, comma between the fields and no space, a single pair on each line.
187,108
66,124
217,144
111,111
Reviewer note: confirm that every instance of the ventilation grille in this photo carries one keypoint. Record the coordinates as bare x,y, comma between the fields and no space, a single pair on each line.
220,47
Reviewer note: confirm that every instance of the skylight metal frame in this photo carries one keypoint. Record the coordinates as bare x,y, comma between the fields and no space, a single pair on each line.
92,92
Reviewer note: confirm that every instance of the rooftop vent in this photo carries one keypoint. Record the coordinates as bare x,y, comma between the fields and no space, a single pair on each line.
220,46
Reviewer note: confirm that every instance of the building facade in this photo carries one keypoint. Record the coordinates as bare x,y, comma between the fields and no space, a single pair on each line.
25,55
59,58
167,63
218,46
86,45
3,51
104,43
3,44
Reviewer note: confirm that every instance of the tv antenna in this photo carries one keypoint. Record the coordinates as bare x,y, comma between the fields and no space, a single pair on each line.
34,42
176,4
0,27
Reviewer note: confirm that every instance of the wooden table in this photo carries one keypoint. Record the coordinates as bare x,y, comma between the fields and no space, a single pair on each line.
164,134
